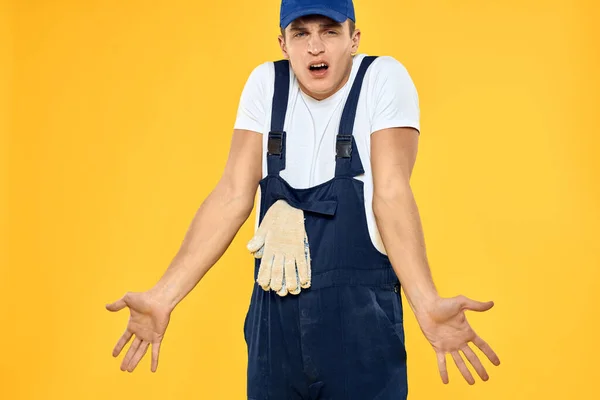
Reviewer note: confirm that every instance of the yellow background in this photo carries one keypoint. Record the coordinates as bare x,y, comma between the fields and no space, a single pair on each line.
115,122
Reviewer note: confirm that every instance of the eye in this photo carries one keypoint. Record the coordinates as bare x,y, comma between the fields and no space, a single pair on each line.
331,32
299,34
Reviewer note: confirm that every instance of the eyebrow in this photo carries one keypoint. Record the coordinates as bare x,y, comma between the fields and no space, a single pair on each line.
329,25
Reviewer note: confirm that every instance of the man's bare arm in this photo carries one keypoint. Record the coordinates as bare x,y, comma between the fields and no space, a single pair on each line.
393,155
217,221
442,320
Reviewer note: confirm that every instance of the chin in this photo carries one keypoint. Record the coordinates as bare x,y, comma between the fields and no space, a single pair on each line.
320,87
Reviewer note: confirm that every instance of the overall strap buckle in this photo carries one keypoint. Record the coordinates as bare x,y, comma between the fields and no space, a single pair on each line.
343,146
275,143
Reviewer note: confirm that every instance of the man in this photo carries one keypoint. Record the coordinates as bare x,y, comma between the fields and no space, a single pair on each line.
332,135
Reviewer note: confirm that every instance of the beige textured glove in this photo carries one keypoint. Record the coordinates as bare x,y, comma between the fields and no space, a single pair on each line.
282,245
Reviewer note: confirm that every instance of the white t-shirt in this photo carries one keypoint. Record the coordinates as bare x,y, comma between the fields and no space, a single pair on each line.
388,99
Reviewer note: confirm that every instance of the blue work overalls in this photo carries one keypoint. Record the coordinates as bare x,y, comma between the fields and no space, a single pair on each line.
342,338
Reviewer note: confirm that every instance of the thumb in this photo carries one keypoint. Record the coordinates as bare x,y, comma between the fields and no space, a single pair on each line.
117,305
259,253
256,243
258,240
474,305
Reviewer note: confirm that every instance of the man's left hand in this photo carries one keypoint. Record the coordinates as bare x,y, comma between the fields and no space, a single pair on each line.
445,326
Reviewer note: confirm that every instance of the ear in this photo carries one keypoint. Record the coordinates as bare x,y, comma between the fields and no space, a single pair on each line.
355,41
283,47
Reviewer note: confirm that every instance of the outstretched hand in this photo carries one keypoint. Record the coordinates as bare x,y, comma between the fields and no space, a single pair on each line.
445,326
148,321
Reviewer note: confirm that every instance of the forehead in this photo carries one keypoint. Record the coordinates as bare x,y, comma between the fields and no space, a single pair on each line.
320,20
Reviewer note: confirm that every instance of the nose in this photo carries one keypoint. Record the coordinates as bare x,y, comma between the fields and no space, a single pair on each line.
315,45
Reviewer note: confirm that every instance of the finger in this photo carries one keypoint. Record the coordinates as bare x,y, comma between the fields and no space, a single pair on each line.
258,240
127,335
474,360
291,276
303,267
297,288
441,358
255,243
117,305
462,367
155,352
259,253
308,259
283,291
473,305
487,350
132,349
264,270
277,273
303,264
138,356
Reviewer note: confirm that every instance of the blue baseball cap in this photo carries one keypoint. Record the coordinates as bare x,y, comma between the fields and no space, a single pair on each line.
337,10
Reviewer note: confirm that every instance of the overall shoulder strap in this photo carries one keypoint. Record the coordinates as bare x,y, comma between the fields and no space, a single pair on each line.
348,161
276,141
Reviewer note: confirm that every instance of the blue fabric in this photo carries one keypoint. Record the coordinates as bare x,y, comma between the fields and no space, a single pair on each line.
276,162
337,10
342,338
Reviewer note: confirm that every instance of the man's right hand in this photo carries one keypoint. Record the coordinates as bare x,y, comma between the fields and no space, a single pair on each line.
148,321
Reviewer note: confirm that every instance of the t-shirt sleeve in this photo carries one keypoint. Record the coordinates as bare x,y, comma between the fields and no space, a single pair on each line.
252,108
395,97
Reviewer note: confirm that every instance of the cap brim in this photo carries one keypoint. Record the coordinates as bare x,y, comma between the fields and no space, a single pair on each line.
304,11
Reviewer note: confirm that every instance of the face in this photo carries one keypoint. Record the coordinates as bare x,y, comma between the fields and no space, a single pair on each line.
320,53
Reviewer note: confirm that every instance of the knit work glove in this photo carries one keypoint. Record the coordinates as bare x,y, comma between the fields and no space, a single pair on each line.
282,245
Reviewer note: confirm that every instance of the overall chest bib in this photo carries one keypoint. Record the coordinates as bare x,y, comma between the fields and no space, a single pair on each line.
342,338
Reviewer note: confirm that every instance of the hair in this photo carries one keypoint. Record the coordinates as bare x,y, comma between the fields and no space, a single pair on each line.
351,25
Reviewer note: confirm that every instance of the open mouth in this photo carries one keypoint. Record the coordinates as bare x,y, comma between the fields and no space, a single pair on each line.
318,67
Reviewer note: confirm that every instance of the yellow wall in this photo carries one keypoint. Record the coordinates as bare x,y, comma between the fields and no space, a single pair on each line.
123,112
6,78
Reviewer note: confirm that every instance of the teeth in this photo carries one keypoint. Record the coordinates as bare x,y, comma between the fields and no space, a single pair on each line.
318,65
